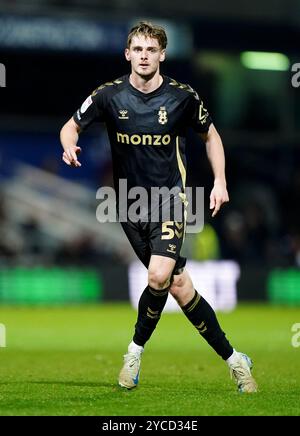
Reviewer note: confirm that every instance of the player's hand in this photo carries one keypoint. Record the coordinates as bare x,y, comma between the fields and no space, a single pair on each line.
70,156
218,196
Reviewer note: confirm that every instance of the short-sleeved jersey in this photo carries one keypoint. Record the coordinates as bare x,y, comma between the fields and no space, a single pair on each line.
147,132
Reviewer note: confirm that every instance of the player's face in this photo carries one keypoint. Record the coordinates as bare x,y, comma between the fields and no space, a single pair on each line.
145,54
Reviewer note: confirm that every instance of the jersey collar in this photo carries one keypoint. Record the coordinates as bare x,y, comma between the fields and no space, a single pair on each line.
156,91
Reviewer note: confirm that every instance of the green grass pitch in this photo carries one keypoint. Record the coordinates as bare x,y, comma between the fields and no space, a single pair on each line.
65,361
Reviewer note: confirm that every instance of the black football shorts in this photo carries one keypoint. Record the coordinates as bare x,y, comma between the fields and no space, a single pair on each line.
163,238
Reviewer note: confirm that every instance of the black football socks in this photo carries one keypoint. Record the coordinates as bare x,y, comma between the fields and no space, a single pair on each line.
203,317
150,307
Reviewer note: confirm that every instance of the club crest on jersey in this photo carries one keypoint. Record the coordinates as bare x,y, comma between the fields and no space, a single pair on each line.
162,115
123,114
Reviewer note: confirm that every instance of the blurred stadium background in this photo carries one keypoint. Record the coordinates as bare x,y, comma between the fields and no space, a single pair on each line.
52,249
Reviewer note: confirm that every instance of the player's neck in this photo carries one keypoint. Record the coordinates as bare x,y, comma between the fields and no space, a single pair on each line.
145,85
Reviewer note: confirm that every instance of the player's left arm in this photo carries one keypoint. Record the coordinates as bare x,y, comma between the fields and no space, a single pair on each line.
216,157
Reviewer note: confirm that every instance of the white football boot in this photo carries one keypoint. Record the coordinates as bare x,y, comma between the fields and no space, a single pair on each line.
240,371
129,374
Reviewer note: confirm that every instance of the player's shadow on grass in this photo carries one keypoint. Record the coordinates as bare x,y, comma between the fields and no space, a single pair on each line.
65,383
73,383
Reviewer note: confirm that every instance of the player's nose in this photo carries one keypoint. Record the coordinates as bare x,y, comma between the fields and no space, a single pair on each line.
144,54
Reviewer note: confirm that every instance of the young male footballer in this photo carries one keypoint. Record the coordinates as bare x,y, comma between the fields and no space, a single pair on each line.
147,115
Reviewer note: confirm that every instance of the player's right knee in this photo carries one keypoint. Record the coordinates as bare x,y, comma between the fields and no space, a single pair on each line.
158,280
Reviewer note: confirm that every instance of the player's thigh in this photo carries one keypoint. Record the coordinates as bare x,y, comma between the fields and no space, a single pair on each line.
182,281
165,248
139,241
166,242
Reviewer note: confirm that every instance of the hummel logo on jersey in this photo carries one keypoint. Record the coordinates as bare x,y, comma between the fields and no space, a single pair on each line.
123,115
172,248
162,115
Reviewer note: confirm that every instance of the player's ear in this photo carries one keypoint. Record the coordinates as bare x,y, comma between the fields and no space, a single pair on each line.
162,55
127,55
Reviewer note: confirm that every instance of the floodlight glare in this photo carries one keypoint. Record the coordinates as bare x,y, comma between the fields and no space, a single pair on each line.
265,61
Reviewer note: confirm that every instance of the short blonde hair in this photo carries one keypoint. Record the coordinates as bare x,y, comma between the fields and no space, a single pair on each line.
148,30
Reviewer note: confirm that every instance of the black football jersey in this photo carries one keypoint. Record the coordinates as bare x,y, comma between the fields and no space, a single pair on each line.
147,132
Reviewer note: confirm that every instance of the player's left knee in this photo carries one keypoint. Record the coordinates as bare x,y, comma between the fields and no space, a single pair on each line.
175,291
181,287
177,287
178,280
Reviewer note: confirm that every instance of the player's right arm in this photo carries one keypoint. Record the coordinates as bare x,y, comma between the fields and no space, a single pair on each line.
69,136
92,109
